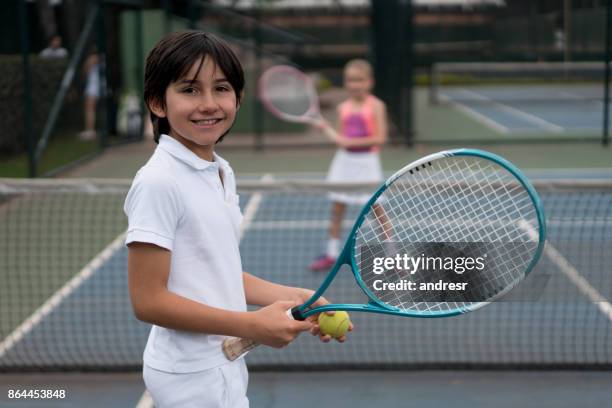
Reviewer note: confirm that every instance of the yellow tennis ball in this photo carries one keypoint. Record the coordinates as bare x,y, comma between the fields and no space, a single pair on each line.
336,325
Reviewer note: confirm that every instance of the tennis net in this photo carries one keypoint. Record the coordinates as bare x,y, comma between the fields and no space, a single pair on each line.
64,301
519,82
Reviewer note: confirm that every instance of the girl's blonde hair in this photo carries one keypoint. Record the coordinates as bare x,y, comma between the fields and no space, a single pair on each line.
361,64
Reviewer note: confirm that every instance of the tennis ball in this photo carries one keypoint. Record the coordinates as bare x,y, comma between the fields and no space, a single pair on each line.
336,325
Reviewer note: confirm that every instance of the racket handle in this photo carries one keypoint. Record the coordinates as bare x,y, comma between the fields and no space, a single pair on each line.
330,133
235,347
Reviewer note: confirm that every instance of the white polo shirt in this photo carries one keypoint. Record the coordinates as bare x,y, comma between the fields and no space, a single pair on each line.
177,202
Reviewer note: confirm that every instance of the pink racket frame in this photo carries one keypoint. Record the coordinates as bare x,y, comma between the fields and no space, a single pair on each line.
313,113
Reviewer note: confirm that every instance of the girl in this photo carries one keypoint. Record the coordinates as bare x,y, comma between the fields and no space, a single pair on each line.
363,128
185,274
91,69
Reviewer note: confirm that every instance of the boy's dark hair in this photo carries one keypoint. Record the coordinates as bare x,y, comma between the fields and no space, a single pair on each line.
172,58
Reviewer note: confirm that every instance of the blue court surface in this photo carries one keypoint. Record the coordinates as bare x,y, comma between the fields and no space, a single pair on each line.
531,109
358,389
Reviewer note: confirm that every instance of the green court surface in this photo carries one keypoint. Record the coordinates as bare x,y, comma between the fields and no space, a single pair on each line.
437,127
560,136
124,161
47,236
62,150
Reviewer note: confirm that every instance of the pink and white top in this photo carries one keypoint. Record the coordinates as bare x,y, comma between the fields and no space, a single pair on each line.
359,123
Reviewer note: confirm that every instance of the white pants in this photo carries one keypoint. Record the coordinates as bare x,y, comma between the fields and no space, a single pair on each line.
219,387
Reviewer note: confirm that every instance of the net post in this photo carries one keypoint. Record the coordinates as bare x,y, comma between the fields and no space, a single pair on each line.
258,118
567,19
138,27
106,123
384,38
406,73
27,87
193,13
606,104
167,8
434,84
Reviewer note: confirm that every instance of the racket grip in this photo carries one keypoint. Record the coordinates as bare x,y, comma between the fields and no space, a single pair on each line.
235,347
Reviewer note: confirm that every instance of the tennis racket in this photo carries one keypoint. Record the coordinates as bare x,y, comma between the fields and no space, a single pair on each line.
290,95
447,207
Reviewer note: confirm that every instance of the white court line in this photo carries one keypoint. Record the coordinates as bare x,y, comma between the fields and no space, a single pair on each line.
571,95
516,112
572,274
251,208
247,220
478,117
577,222
65,291
580,98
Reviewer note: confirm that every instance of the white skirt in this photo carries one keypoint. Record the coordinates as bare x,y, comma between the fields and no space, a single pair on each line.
219,387
92,88
350,167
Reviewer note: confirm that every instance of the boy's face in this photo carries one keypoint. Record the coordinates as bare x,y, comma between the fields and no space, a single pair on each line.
202,111
357,82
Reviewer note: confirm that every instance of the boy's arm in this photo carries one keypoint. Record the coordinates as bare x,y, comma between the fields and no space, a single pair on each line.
261,292
148,270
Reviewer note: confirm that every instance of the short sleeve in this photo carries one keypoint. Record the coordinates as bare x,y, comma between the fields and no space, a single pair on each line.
153,208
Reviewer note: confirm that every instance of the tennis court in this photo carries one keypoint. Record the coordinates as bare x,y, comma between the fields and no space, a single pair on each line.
524,100
581,114
526,83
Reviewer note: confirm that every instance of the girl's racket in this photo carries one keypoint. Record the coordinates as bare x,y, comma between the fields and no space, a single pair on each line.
290,95
450,206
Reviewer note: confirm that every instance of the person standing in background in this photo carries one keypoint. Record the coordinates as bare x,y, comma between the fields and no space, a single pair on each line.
91,68
55,49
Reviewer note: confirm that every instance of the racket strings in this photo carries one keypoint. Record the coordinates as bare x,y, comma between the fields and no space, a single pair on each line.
453,200
486,203
492,205
289,93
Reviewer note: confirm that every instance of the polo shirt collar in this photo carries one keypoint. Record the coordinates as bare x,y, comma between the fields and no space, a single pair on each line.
180,152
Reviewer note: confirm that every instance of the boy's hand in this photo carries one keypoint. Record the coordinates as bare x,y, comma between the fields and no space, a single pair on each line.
272,326
303,296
